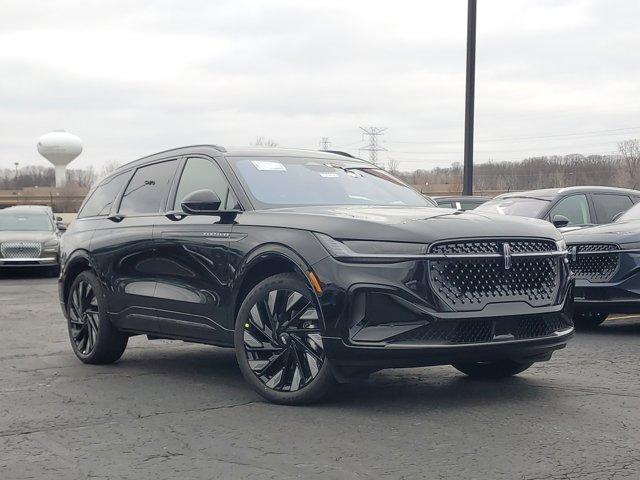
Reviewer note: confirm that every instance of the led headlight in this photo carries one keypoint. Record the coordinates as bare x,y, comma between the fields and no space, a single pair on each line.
630,246
50,245
371,250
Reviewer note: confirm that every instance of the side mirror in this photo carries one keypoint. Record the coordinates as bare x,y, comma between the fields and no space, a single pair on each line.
201,202
61,227
560,221
58,219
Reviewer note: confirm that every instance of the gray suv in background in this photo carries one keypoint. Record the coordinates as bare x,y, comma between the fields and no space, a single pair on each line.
29,237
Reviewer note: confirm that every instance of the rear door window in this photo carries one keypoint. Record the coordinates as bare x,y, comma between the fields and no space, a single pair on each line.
100,201
148,188
575,208
608,206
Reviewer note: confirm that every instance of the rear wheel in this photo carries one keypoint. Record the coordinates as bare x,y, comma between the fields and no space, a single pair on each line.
495,369
587,320
93,338
278,342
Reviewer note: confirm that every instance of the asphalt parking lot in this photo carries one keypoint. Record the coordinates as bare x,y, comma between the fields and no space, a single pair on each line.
173,410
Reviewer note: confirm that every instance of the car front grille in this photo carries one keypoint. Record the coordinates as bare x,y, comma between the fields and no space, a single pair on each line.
595,262
481,273
485,330
20,249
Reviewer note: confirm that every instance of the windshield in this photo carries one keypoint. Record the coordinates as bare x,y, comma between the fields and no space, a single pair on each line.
632,214
25,222
273,182
522,206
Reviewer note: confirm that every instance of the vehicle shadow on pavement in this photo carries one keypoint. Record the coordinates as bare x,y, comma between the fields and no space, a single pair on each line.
216,373
616,327
9,273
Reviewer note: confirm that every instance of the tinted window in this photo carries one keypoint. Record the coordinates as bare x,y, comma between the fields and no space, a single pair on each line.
575,208
447,204
470,205
608,206
521,206
281,181
147,188
103,196
200,173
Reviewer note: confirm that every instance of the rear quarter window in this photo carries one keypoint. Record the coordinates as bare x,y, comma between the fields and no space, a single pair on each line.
100,201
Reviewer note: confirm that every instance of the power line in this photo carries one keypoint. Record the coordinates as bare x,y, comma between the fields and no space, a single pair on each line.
325,144
373,148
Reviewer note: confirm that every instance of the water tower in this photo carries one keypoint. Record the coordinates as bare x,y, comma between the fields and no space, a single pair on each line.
60,148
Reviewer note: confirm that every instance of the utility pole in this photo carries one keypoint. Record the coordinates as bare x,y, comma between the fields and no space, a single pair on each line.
15,180
373,148
467,184
325,144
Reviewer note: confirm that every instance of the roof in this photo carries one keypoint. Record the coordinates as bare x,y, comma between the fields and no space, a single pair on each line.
461,197
553,192
217,150
30,208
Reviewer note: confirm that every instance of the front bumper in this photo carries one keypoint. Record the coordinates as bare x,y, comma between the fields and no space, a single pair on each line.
619,295
29,262
385,315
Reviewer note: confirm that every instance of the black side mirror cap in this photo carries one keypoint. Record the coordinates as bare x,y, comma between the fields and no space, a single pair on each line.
201,202
560,221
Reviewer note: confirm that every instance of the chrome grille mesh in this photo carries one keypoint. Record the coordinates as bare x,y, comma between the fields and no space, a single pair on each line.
20,249
591,262
468,284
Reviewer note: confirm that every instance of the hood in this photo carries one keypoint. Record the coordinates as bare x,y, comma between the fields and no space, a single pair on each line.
26,236
619,232
402,224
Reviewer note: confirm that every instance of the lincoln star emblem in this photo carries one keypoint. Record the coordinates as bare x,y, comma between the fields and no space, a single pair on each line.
506,252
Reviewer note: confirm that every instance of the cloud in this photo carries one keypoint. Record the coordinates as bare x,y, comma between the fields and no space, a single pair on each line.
131,78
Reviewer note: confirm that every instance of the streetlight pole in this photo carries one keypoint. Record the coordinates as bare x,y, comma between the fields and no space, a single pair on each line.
15,180
467,184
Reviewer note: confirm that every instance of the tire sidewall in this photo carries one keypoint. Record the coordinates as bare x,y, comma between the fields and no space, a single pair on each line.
103,323
323,381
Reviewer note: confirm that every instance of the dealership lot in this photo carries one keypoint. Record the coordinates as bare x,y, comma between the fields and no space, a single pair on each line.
173,410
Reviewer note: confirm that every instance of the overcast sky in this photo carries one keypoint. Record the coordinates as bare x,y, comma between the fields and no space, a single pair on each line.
135,77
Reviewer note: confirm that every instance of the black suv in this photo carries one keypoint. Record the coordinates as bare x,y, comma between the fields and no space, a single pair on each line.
316,267
568,208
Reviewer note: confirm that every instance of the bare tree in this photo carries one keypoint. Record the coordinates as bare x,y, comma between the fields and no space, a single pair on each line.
630,159
265,142
392,165
82,178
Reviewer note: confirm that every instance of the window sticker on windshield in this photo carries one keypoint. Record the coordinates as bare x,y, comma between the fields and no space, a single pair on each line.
269,166
328,175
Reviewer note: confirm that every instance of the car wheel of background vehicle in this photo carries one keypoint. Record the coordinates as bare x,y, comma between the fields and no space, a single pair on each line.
278,342
496,369
587,320
93,338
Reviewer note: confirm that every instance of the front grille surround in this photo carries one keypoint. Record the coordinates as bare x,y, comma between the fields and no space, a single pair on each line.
21,249
479,273
594,262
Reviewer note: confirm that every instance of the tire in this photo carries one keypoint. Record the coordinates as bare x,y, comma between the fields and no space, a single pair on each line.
93,338
278,342
588,320
496,369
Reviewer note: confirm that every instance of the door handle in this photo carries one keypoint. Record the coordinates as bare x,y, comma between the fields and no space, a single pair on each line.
174,215
116,217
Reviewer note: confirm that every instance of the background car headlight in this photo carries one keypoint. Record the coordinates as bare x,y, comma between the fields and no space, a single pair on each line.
561,245
371,250
50,245
630,246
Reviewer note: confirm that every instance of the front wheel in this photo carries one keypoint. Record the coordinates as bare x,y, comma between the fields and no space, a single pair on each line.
278,342
496,369
587,320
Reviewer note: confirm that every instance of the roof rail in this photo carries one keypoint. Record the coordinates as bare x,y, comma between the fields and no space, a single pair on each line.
339,152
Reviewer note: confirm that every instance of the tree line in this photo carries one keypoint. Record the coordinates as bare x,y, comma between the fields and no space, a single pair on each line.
621,169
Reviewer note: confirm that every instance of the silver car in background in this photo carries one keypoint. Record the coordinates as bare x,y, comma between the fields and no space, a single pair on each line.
29,237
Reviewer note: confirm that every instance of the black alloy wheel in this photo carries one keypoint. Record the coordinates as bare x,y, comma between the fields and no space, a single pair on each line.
83,317
93,338
279,343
